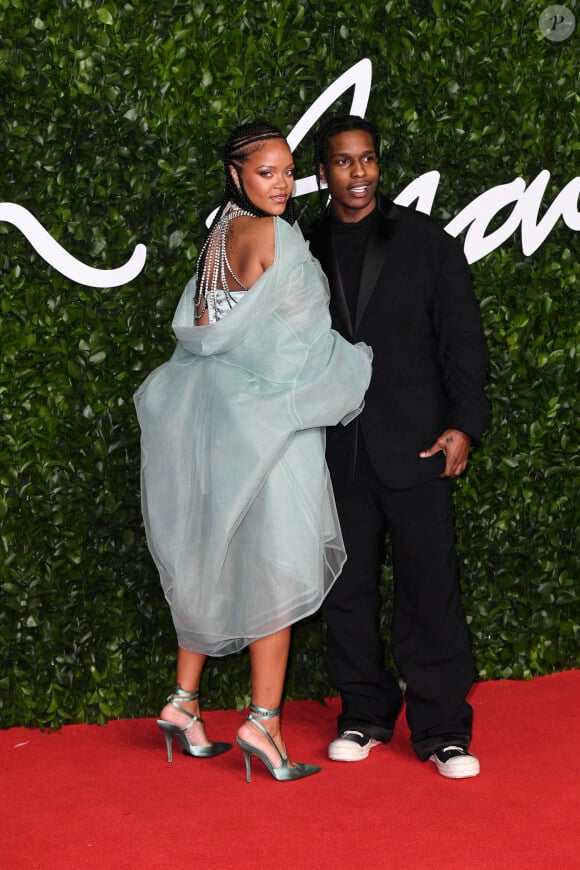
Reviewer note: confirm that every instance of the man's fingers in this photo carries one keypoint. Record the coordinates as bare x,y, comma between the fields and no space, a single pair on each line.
435,448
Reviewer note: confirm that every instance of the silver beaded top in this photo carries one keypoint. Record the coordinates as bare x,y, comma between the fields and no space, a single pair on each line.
217,269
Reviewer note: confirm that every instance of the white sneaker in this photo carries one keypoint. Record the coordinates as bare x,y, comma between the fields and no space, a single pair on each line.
455,762
351,746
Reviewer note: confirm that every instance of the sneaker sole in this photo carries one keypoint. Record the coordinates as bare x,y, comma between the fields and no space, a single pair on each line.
465,771
352,752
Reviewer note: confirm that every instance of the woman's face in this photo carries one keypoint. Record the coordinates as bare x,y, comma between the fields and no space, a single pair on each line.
268,176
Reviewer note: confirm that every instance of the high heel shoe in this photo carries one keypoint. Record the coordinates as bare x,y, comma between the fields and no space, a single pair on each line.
284,773
170,730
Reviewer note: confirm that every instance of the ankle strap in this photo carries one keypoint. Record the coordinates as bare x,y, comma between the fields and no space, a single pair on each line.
180,693
185,697
262,713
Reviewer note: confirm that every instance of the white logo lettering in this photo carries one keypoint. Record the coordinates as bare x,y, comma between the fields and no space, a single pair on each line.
479,213
475,217
56,256
422,191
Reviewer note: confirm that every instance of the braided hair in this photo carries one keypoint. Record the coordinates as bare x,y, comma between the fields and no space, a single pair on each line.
244,141
241,143
332,127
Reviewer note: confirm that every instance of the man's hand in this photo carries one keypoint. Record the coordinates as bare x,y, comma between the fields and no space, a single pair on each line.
455,445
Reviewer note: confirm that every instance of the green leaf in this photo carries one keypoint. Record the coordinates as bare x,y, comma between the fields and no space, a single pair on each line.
104,15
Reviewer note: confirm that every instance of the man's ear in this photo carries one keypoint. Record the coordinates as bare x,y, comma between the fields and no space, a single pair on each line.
235,175
322,172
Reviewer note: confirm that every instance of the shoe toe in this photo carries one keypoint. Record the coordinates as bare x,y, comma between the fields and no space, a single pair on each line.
454,762
351,746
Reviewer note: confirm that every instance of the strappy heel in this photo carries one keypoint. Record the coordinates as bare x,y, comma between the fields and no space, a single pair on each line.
170,730
284,773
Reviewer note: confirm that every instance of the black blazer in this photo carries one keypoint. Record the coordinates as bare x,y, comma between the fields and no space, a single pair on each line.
417,310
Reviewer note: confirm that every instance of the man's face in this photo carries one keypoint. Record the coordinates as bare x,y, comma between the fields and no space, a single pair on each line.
352,174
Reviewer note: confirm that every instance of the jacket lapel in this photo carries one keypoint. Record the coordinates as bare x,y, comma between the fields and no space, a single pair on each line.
375,253
325,253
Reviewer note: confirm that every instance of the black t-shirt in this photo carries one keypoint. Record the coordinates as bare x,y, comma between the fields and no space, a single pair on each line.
349,242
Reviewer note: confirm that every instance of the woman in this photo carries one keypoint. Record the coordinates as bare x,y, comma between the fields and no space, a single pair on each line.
237,503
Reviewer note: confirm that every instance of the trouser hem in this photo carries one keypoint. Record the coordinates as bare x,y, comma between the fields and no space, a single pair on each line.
425,748
377,732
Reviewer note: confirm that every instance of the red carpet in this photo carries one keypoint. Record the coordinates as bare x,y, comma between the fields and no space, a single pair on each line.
91,797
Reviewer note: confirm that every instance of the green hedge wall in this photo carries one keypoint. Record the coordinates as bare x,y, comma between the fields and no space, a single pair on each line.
113,116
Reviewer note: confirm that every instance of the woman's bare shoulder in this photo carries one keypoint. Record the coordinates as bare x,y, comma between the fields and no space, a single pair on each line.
254,227
255,237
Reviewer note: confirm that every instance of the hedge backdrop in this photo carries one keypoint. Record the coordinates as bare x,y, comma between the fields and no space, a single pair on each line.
113,116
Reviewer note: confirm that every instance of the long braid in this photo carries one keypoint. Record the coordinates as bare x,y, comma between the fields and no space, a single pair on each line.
242,142
332,127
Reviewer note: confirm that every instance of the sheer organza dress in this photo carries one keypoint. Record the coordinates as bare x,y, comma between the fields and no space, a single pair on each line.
237,502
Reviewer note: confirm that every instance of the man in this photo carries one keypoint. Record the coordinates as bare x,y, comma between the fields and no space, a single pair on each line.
401,284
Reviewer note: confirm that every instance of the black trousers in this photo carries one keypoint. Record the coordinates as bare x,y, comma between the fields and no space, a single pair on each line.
429,635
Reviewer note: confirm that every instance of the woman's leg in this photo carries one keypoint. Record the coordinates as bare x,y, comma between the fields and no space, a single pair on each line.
187,677
268,660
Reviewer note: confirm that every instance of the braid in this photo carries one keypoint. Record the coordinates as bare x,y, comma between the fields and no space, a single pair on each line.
332,127
241,143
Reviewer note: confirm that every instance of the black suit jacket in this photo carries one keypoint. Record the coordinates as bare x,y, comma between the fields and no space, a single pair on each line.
417,310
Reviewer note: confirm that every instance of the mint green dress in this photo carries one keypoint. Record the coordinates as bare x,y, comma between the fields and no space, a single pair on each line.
237,502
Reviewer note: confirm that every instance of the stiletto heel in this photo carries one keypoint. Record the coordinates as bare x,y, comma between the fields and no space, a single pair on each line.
169,730
247,756
284,773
